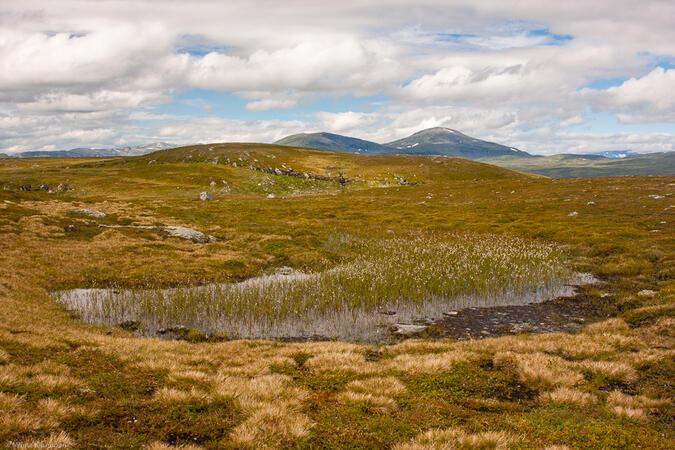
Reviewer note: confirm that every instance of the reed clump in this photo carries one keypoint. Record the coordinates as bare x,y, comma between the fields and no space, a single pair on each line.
416,276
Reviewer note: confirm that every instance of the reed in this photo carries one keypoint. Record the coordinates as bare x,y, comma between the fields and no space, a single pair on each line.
416,276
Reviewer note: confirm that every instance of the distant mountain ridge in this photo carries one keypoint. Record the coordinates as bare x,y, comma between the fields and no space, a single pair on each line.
432,141
616,154
449,142
334,142
574,166
95,152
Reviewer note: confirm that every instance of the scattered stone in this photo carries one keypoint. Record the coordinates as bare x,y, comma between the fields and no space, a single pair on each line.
517,328
573,213
408,329
605,295
189,233
90,212
646,293
86,391
450,313
271,196
590,203
656,197
205,196
212,183
285,270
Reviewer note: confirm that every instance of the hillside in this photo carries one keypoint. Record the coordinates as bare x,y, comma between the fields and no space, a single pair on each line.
433,141
209,323
573,166
95,152
334,142
445,141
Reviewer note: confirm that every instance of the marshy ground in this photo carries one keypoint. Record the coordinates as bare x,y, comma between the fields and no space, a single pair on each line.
608,383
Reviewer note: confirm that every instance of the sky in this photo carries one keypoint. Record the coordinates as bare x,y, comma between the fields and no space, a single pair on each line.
543,76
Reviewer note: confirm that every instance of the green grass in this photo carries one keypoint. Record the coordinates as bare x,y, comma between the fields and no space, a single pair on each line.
418,276
260,393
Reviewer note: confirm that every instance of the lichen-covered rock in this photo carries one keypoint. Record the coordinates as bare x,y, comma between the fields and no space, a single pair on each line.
407,329
189,233
90,212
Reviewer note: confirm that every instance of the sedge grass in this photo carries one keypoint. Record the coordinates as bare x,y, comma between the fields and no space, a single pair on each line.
414,276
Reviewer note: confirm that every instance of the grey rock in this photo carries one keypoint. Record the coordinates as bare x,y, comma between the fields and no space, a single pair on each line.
205,196
190,234
90,212
408,329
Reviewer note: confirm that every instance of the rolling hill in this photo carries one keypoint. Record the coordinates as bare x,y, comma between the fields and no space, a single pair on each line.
95,152
582,166
448,142
432,141
334,142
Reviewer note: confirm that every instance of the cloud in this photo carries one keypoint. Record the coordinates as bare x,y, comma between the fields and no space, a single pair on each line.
347,121
97,73
646,99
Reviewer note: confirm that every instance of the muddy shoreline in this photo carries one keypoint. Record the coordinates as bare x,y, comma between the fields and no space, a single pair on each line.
565,314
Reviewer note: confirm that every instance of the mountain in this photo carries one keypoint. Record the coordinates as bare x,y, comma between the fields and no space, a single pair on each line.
616,154
448,142
573,166
96,152
334,142
433,141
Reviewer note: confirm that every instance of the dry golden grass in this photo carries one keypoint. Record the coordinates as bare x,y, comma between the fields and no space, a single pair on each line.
646,357
412,346
614,371
569,346
430,363
169,396
455,438
254,393
377,403
16,417
271,427
373,393
540,370
58,410
190,375
162,446
46,376
387,386
341,361
569,396
611,326
272,405
4,357
58,439
635,406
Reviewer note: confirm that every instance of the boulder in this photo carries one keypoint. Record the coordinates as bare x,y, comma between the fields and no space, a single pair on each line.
190,234
405,329
646,293
90,212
